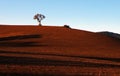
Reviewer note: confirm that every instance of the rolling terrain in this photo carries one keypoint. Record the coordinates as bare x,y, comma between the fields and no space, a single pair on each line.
57,51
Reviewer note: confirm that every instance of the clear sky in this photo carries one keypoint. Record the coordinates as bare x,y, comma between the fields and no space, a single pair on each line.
91,15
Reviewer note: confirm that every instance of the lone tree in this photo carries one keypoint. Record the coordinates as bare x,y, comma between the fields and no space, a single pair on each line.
39,17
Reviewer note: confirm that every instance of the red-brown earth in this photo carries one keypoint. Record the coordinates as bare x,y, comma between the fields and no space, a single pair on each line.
57,51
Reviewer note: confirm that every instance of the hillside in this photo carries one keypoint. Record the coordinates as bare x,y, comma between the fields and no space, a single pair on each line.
110,34
57,48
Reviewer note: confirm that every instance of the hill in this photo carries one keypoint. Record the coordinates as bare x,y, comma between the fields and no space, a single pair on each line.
51,50
110,34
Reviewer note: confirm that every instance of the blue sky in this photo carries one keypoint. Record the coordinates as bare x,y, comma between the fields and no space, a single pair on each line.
91,15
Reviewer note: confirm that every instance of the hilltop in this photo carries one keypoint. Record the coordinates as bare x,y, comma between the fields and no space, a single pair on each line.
48,46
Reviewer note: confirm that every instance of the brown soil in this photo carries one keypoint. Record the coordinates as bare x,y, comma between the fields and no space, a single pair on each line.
57,51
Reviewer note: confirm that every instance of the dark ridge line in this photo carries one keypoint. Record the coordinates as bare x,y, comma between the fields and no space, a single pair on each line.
35,61
21,44
34,74
88,57
19,37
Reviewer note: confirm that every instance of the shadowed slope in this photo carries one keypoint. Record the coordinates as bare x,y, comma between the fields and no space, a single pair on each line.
110,34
